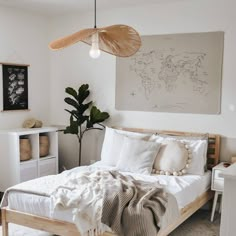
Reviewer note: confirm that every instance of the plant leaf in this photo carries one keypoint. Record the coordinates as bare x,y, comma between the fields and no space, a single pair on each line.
71,92
89,124
73,113
96,116
83,93
83,107
72,128
82,119
72,102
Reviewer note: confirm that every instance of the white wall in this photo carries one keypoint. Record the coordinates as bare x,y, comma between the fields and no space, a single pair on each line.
72,66
23,40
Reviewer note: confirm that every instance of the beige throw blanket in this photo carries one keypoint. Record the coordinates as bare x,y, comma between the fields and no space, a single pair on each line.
131,207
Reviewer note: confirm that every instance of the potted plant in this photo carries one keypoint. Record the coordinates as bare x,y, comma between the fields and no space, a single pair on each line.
83,116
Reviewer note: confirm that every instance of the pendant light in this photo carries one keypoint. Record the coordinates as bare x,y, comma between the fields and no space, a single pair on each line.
95,51
118,40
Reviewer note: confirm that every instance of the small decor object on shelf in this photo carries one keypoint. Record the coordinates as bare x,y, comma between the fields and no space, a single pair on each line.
77,116
15,86
25,149
29,123
43,145
38,124
32,123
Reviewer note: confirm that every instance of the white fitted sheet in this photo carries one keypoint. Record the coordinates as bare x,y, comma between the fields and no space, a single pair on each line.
185,189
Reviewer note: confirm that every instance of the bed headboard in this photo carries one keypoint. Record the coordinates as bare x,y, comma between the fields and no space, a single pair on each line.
213,151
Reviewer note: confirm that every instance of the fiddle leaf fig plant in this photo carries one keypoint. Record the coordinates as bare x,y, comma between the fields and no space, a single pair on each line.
83,116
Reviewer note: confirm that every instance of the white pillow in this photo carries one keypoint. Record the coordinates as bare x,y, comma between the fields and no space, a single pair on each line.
137,156
198,148
111,147
113,142
172,159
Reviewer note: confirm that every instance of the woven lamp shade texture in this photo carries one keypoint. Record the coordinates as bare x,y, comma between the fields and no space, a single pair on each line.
118,40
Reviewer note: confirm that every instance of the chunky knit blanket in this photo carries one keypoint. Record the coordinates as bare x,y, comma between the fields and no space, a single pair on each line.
131,207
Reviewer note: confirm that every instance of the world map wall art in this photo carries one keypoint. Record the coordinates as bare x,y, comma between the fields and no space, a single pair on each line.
179,73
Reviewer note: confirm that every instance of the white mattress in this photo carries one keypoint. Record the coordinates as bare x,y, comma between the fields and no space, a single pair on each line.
185,188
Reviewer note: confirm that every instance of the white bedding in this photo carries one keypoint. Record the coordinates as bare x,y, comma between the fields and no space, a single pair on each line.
185,188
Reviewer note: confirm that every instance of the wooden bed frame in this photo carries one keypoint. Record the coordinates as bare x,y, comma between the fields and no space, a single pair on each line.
69,229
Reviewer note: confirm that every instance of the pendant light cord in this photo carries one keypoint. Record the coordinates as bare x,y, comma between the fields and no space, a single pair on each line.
95,14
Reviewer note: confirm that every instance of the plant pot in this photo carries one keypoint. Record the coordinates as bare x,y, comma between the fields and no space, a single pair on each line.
25,149
43,146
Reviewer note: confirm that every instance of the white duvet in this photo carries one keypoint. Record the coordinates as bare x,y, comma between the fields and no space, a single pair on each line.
185,189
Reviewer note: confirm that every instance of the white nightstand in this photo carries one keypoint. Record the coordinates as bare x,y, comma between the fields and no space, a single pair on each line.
217,185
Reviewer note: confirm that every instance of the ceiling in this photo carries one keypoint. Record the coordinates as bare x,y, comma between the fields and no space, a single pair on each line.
56,7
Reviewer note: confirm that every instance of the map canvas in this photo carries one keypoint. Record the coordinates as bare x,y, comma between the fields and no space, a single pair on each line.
172,73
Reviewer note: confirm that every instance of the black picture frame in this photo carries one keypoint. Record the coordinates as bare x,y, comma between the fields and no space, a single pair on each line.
15,87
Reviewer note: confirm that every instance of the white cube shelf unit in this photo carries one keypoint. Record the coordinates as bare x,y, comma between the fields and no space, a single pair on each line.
14,171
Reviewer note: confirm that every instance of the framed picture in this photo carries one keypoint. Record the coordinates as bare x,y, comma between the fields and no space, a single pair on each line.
176,73
15,87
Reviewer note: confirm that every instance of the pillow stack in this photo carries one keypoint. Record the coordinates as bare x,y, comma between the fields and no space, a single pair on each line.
145,154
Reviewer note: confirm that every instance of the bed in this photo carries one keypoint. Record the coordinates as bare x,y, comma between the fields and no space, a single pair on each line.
61,226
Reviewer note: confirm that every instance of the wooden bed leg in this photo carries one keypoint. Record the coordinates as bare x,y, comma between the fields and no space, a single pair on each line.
4,223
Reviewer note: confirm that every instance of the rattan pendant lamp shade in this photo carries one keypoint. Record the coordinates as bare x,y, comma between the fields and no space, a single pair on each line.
118,40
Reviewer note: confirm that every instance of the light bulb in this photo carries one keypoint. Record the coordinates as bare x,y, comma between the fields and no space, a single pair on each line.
95,51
